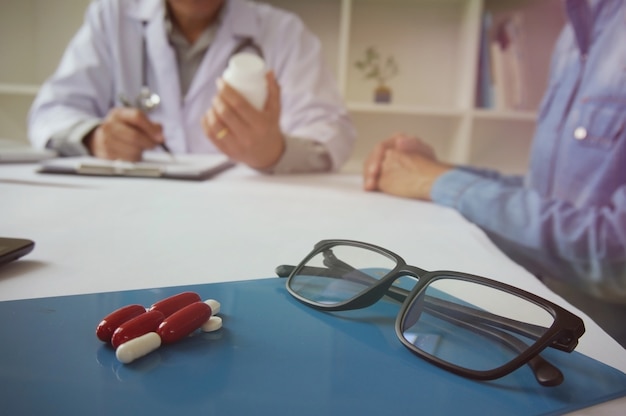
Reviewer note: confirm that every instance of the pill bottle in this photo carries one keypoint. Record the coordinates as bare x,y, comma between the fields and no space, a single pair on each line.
246,74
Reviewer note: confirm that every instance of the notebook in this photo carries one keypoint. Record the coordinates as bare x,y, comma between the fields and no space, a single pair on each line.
273,356
16,151
153,165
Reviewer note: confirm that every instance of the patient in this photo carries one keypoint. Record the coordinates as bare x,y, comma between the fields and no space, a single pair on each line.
565,220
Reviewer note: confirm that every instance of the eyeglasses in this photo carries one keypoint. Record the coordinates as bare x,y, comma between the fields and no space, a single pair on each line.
469,325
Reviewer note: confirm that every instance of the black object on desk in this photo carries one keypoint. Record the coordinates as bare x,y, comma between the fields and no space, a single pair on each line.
14,248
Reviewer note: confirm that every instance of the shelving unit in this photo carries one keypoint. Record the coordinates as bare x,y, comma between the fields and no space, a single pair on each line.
435,43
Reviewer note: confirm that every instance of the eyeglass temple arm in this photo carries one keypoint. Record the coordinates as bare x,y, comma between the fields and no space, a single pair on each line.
400,295
545,373
472,314
284,270
522,328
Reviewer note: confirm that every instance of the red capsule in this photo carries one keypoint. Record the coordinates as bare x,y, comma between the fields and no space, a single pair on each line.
112,321
175,303
136,327
184,322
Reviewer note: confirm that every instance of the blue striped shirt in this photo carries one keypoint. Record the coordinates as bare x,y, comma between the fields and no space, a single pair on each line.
566,218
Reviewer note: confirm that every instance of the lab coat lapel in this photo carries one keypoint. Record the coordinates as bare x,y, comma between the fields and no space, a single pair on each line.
161,58
238,22
162,64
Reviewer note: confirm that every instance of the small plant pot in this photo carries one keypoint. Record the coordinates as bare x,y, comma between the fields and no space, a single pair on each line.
382,94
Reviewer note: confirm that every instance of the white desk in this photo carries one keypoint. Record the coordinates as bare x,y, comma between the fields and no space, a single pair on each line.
97,234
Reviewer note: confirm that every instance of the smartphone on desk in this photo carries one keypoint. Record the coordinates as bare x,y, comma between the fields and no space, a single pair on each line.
14,248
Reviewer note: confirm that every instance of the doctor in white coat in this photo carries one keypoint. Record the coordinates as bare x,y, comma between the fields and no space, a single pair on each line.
179,49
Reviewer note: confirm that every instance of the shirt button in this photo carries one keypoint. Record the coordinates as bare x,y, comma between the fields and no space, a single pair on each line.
580,133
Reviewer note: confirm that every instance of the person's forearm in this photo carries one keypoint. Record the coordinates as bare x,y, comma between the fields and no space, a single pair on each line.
514,180
78,95
301,155
70,141
586,246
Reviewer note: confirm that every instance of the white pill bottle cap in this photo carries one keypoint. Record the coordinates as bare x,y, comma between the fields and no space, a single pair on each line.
246,74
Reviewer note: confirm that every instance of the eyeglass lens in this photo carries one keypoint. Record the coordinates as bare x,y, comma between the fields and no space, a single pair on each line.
471,325
340,273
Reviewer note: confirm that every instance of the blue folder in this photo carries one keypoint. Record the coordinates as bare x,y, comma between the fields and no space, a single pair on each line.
273,356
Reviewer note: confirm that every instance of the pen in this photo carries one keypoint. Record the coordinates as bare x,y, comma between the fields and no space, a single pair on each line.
167,149
127,104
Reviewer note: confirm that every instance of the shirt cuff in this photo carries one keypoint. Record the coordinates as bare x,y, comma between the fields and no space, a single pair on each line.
69,142
449,188
300,156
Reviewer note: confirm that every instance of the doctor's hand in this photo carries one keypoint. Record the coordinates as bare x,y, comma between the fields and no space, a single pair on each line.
403,166
123,135
242,132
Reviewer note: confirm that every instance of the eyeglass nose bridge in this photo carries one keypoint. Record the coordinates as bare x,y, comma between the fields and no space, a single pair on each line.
386,286
413,271
379,287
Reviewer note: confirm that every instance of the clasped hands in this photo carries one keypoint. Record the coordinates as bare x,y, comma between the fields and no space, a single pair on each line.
247,135
403,166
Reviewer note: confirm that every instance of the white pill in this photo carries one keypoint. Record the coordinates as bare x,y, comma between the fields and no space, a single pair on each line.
215,306
212,324
138,347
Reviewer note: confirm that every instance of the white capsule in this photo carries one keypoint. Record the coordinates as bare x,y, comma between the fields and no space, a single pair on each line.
212,324
215,306
138,347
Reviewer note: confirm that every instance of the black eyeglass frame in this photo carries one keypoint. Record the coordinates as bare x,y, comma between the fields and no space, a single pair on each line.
563,334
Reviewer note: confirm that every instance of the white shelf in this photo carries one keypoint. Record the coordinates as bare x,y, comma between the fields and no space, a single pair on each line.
435,43
19,89
403,109
488,114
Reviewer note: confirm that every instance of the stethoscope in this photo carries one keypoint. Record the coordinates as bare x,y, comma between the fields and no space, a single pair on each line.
148,100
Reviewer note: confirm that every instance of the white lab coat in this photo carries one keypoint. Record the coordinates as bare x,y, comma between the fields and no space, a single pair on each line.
104,59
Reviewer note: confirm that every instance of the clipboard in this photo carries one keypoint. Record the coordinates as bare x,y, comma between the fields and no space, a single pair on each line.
273,356
153,165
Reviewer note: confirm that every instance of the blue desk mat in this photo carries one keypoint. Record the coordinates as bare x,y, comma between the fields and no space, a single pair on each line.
273,356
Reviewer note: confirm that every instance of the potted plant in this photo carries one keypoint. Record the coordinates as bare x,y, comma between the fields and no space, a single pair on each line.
379,69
